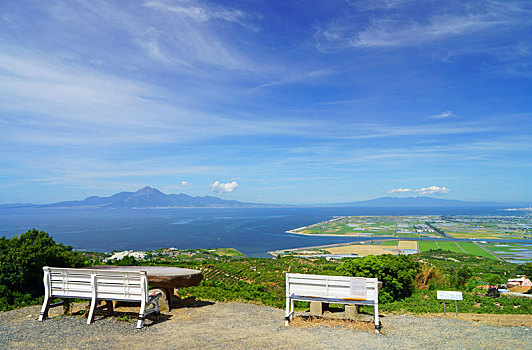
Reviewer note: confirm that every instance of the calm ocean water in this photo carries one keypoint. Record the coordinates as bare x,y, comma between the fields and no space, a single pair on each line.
253,231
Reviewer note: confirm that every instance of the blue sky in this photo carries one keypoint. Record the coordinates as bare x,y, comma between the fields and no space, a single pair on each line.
266,101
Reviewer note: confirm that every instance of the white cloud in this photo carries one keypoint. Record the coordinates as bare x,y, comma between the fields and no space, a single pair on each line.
399,190
443,115
433,190
221,188
422,191
185,183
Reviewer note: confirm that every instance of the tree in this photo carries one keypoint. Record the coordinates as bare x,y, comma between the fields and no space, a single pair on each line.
23,257
460,276
127,260
396,272
527,269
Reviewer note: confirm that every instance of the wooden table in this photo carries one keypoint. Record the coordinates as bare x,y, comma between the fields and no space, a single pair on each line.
164,277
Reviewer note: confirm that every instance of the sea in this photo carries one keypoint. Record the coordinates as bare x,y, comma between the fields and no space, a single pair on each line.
252,231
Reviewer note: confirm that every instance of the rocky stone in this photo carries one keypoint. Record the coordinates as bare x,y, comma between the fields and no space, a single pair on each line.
351,311
317,308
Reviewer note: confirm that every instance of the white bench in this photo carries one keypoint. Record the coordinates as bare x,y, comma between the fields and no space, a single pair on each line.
98,285
331,289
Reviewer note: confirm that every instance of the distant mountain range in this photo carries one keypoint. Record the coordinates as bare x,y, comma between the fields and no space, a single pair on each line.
145,198
416,202
149,197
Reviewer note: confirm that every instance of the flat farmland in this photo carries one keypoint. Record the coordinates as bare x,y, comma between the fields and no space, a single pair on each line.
514,252
372,226
427,245
473,249
451,246
361,249
485,227
407,245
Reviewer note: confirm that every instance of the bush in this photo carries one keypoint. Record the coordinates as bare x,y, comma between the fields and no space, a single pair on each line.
127,260
21,262
527,269
396,272
460,277
430,277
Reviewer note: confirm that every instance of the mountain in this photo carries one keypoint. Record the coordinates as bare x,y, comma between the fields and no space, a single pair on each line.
15,205
149,197
415,202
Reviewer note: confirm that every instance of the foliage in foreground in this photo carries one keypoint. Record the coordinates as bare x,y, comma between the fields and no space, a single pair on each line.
21,261
262,281
251,279
409,286
396,272
425,301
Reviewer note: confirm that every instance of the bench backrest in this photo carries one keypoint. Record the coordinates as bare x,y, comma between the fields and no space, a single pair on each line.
99,284
337,287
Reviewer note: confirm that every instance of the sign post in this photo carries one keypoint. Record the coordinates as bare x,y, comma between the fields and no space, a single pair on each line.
449,295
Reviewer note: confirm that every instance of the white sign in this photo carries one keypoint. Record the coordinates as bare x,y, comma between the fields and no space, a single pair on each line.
358,288
448,295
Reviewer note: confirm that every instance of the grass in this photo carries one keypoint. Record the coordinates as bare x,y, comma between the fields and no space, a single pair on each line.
473,249
425,246
425,301
451,246
407,234
230,252
389,243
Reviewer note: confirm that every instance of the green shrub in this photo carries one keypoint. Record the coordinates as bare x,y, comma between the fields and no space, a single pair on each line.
127,260
527,269
21,261
396,272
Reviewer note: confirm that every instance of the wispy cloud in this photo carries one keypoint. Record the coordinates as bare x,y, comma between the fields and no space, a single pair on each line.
304,77
181,35
442,115
197,12
389,28
60,103
422,191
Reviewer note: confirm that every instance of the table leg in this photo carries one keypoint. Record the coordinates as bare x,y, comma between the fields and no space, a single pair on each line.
109,306
169,296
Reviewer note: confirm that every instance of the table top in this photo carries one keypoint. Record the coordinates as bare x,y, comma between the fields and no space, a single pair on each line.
162,276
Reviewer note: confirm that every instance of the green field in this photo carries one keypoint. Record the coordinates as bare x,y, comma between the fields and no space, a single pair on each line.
470,247
407,234
473,249
389,243
425,246
450,246
231,252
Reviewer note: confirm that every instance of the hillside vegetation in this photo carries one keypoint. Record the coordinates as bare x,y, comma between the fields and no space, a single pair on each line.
410,282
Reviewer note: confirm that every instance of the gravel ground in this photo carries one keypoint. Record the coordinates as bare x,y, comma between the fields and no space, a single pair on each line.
247,326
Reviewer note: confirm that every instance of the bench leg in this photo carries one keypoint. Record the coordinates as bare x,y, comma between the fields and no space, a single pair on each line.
44,309
292,309
142,314
377,323
287,313
90,318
